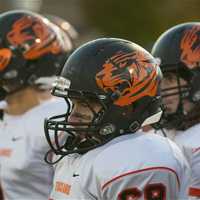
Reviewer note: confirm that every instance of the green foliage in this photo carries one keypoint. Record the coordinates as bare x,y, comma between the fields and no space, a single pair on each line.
141,21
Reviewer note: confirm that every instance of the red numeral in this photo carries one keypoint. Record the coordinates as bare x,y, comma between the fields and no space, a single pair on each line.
1,193
155,191
131,193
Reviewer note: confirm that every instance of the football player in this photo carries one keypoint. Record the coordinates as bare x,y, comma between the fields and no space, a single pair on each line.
178,50
114,87
32,52
65,26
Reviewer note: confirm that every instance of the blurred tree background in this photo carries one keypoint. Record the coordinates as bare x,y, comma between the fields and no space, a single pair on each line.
141,21
137,20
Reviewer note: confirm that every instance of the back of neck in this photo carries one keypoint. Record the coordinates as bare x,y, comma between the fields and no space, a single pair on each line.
24,100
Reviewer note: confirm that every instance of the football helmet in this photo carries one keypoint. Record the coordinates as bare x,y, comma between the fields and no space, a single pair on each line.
65,26
32,51
119,75
178,50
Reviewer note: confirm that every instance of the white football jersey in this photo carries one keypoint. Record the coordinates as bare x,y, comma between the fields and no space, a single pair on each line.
137,166
3,104
24,173
172,135
191,138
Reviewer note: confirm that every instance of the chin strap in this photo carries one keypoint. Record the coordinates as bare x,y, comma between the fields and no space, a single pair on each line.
158,127
163,132
3,94
49,155
1,114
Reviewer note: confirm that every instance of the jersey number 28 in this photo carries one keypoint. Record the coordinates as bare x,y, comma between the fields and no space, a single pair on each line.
155,191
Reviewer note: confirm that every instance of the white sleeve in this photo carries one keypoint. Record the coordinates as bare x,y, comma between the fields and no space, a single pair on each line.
194,190
1,193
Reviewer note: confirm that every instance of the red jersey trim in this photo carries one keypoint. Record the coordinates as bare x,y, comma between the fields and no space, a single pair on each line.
140,171
195,192
1,193
196,149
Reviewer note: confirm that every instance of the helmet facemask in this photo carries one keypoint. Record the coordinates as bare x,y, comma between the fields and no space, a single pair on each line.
81,136
179,89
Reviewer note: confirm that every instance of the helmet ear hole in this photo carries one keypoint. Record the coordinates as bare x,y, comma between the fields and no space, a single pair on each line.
194,94
196,97
107,129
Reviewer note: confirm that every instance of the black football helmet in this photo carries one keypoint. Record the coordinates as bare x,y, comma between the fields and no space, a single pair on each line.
120,76
178,50
65,26
32,51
